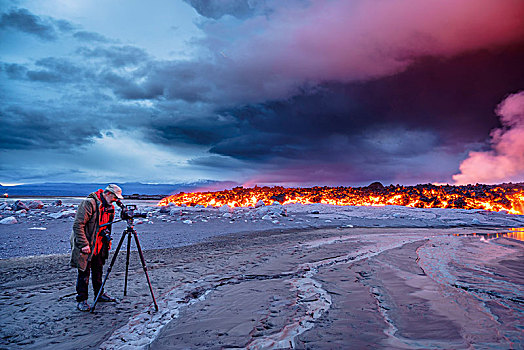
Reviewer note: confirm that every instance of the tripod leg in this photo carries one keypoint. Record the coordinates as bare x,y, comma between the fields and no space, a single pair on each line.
127,261
109,268
144,267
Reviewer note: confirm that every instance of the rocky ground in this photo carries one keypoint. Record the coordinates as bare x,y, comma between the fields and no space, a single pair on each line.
42,227
305,277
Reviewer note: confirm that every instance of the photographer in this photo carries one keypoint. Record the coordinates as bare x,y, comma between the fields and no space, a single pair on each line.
90,244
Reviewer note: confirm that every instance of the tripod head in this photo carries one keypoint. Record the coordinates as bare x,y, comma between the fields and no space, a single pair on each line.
127,213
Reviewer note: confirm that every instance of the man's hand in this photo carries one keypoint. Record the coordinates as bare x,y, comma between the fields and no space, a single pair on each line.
86,249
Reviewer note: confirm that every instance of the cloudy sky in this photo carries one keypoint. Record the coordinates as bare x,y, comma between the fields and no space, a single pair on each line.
295,92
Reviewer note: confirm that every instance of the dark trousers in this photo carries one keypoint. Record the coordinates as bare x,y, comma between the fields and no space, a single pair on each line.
82,283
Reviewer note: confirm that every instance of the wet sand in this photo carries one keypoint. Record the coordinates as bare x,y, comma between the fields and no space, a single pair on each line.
320,289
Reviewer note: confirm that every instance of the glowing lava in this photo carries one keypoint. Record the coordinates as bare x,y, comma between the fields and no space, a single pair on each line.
507,197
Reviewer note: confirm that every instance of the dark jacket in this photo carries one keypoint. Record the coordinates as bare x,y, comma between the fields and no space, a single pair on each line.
85,230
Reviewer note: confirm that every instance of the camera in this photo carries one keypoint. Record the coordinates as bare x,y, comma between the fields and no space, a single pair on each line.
129,212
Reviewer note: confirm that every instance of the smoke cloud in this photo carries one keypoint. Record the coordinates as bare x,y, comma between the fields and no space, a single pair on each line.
505,161
303,44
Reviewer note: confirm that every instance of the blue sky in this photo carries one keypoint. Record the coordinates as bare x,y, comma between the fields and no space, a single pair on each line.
269,92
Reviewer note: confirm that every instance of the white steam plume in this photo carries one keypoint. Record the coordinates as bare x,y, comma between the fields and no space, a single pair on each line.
505,161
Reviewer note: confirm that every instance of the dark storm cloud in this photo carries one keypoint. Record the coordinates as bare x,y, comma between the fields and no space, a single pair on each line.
187,81
262,146
45,76
25,21
117,56
92,71
217,9
191,130
298,89
90,37
394,122
220,83
43,27
82,111
192,82
63,25
53,70
455,97
127,88
309,43
14,71
218,162
384,122
195,82
32,128
46,28
46,70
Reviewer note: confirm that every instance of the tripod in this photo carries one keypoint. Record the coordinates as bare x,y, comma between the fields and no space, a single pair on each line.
129,231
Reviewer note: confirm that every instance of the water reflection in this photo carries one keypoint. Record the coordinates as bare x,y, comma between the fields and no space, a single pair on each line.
513,232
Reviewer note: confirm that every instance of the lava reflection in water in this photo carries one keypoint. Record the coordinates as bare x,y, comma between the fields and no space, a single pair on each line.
513,232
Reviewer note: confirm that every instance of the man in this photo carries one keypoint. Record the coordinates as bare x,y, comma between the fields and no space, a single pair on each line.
90,244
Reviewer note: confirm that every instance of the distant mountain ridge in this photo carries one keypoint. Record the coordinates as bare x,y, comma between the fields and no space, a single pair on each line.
71,189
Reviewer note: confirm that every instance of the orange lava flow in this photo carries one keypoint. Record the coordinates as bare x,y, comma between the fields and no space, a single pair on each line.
507,197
